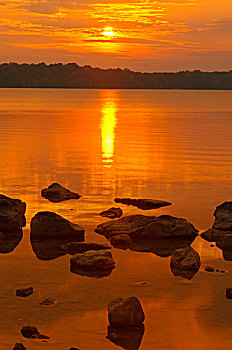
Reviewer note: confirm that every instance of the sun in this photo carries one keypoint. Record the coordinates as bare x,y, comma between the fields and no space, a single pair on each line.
108,32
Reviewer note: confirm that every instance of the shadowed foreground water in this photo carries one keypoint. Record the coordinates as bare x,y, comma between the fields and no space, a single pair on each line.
170,145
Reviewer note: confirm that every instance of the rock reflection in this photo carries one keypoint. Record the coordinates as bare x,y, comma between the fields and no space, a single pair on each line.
10,242
49,249
128,339
90,273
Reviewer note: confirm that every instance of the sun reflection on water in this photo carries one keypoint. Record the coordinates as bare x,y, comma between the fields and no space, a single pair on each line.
108,124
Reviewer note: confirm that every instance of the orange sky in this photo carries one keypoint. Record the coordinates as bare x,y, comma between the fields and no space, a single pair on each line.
163,35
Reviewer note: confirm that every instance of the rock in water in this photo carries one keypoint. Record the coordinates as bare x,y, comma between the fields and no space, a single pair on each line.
31,332
12,217
148,227
112,213
125,312
93,263
48,301
185,262
56,193
19,346
223,217
121,241
229,293
129,339
145,204
76,247
48,225
24,292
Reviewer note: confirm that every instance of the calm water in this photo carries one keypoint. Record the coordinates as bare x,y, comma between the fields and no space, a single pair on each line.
170,145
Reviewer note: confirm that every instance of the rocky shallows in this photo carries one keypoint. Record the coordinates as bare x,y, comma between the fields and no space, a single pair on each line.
144,204
93,263
12,214
148,227
49,225
125,312
56,193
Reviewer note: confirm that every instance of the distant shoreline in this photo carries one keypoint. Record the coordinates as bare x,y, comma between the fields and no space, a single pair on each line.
72,76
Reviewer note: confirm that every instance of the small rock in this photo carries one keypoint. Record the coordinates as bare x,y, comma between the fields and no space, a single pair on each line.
48,301
24,292
93,260
31,332
77,247
125,312
212,245
229,293
74,349
185,262
209,269
112,213
19,346
222,271
12,214
145,204
217,270
120,240
56,193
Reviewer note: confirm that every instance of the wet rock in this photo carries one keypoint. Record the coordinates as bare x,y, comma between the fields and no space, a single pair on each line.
209,269
48,301
112,213
19,346
145,204
24,292
185,262
229,293
76,247
125,312
92,263
31,332
129,339
223,217
56,193
121,240
213,235
48,225
12,217
149,227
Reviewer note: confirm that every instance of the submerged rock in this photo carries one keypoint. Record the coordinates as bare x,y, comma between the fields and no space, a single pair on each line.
185,262
223,217
12,217
56,193
48,225
19,346
92,263
145,204
76,247
48,301
31,332
112,213
125,312
24,292
149,227
129,339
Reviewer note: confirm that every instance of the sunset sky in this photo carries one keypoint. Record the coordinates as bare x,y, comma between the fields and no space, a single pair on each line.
144,35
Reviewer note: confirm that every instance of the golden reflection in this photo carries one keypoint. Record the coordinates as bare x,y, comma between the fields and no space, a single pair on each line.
108,124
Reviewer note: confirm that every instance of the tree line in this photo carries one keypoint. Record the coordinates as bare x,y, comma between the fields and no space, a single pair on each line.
71,75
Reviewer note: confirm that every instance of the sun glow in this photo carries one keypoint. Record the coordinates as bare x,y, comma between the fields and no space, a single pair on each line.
108,32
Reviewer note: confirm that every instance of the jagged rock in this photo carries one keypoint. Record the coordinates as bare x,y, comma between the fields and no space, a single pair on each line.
93,263
185,262
76,247
129,339
145,204
48,301
223,217
121,240
149,227
56,193
48,225
24,292
19,346
32,332
12,217
112,213
125,312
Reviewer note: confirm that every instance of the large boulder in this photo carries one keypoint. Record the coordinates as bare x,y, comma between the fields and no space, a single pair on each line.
185,262
56,193
148,227
48,225
12,214
145,204
125,312
223,217
92,263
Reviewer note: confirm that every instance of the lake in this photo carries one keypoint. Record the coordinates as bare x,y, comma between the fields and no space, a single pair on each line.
161,144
